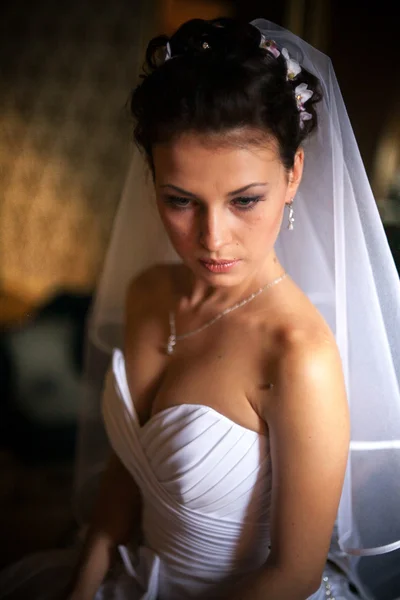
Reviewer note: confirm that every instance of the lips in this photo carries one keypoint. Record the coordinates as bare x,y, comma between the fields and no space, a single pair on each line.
218,262
219,266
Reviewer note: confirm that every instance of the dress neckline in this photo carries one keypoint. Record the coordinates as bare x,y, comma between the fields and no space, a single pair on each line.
120,374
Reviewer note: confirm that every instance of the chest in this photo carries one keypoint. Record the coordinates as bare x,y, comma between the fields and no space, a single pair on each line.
228,367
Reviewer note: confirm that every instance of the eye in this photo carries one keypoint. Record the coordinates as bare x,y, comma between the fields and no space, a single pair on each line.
178,202
247,202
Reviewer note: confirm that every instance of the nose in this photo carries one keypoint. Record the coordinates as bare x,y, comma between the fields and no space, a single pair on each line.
214,232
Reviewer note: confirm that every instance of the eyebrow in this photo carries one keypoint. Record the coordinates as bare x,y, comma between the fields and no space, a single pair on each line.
233,193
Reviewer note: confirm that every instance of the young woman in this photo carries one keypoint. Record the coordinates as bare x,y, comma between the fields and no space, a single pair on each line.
226,401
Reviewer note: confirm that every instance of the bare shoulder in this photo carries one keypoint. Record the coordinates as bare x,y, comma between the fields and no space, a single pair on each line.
146,282
308,348
149,298
308,366
153,286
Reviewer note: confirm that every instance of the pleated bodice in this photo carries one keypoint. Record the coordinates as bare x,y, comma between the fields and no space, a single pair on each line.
205,483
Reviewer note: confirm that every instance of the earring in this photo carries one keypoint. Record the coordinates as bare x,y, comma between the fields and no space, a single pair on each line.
291,217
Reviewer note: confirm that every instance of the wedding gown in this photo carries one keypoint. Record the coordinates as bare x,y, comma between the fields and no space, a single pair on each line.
206,485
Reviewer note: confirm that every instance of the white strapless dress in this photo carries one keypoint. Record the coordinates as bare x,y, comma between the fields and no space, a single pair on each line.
206,486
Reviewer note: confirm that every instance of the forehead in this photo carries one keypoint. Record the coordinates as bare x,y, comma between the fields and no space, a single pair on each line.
205,160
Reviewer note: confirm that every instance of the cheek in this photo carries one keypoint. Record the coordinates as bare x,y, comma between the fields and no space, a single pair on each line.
265,228
276,212
179,227
276,222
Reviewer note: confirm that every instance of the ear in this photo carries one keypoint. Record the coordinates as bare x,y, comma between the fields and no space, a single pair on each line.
295,174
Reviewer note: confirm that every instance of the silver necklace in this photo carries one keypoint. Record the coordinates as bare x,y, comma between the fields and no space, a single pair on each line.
173,338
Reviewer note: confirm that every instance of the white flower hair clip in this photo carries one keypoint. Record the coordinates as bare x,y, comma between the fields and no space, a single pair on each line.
302,94
293,67
269,45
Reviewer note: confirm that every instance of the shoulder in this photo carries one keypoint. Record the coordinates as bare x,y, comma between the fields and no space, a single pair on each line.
146,304
308,371
149,298
309,351
298,336
152,286
148,280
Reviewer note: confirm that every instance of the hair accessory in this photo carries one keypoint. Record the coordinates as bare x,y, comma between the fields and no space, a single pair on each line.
302,94
293,67
168,53
269,45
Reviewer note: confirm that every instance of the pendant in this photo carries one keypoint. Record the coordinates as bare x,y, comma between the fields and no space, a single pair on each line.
171,344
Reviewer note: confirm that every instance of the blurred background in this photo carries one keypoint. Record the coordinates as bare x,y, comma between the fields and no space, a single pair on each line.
66,70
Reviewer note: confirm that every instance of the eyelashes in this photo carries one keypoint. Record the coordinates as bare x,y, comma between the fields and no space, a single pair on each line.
243,203
247,202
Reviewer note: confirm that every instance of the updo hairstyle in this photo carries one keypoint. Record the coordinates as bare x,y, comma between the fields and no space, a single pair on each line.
218,79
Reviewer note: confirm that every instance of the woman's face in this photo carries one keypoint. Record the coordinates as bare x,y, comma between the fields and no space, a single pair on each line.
222,202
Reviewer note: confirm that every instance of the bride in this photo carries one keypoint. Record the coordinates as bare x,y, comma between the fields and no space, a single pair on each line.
232,396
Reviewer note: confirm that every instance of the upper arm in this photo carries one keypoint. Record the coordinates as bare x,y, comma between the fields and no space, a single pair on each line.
117,509
309,430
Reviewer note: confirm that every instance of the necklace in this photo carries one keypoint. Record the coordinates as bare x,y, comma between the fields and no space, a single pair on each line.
173,338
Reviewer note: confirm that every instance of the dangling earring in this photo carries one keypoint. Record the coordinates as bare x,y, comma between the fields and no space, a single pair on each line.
291,217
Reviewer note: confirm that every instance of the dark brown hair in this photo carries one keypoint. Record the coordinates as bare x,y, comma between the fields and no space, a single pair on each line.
219,79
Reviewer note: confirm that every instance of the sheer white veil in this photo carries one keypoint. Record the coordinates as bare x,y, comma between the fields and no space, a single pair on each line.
339,256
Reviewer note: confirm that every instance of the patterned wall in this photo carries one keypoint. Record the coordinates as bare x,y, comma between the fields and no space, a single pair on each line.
66,71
